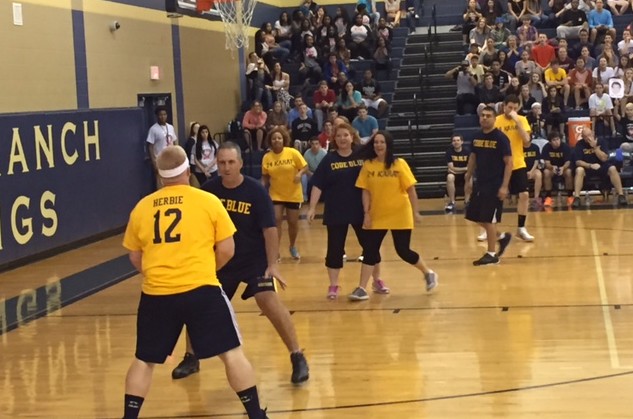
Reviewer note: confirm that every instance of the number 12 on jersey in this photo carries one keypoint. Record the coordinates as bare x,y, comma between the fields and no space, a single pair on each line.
173,214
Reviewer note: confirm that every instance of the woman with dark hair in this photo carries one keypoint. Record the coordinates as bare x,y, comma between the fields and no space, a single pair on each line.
205,156
310,66
553,110
360,36
284,30
282,169
341,21
327,43
322,30
191,143
349,100
390,202
334,180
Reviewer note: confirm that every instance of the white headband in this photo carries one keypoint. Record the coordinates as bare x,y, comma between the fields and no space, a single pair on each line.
169,173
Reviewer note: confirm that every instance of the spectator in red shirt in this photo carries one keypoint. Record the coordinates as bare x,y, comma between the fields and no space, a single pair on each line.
254,124
324,137
324,98
543,53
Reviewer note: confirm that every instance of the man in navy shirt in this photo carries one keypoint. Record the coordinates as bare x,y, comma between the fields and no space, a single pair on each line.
457,163
490,162
591,157
532,156
557,159
255,259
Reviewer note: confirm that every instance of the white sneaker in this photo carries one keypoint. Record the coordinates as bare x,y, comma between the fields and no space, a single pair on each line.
523,234
482,237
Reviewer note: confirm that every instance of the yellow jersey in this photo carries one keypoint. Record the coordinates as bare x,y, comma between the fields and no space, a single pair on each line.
509,128
282,169
560,75
176,228
390,208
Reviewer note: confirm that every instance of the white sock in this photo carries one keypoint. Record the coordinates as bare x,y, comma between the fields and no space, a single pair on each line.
493,254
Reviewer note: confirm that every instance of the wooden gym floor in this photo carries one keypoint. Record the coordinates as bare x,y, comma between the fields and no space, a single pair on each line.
545,333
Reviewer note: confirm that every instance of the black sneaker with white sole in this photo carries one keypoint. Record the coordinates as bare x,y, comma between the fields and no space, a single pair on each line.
486,259
503,244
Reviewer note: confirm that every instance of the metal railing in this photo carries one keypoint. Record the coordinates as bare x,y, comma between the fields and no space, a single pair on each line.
424,83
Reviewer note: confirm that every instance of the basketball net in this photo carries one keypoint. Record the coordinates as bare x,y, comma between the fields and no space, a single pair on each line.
236,16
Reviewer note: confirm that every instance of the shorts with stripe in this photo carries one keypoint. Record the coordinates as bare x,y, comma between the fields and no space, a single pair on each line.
207,313
252,274
484,207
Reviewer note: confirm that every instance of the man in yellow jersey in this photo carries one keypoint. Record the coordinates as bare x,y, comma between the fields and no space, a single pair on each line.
517,129
178,237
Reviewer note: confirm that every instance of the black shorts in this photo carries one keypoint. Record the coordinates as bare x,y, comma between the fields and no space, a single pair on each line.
460,180
205,311
602,173
288,205
484,207
519,181
252,276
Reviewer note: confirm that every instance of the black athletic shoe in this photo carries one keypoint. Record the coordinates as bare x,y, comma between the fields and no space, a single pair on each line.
486,259
576,203
622,201
300,370
503,244
189,365
264,415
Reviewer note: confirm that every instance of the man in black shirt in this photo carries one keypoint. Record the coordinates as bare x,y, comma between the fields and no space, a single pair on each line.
490,162
591,157
370,90
303,128
557,159
489,94
255,258
572,21
532,156
457,162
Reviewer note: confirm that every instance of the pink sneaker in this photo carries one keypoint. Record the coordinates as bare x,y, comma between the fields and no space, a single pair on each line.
332,292
379,287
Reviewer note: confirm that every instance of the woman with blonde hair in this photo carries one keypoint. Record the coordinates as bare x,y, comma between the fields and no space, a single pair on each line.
282,169
335,179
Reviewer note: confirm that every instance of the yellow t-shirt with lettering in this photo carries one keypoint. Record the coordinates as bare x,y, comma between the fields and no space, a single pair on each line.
176,228
282,169
390,208
509,128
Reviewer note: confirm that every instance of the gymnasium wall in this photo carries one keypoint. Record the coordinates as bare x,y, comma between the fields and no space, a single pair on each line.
66,78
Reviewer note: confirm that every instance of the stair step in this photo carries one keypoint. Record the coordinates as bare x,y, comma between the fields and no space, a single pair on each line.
445,57
444,46
419,38
432,67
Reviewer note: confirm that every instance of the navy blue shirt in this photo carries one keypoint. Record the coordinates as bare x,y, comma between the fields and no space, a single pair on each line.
489,150
556,157
336,177
458,158
531,154
583,152
251,210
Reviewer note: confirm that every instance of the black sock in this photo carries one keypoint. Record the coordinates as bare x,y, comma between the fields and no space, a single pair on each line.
548,194
250,400
522,220
132,406
570,193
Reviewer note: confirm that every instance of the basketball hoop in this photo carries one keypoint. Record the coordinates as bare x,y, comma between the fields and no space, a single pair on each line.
236,16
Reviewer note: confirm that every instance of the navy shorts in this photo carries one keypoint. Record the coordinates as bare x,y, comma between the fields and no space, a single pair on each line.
252,275
484,207
207,313
519,181
288,205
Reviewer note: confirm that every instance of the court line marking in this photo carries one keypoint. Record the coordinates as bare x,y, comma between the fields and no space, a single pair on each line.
412,401
604,300
386,309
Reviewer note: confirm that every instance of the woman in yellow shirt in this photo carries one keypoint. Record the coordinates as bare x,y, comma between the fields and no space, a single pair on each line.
282,168
390,202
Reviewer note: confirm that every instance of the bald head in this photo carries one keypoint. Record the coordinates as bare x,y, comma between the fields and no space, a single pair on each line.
173,165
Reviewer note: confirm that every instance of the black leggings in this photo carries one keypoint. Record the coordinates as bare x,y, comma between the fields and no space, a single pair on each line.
336,235
401,241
